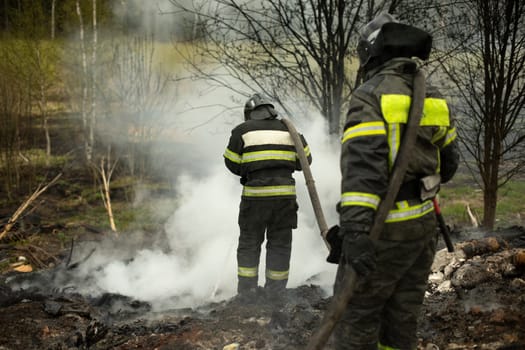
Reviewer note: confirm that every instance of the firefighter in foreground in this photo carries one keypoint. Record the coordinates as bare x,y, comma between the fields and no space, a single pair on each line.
393,271
262,153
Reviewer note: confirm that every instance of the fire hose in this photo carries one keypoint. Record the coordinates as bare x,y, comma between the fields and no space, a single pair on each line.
309,179
339,301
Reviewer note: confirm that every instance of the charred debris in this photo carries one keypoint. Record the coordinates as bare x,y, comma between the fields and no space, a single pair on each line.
475,300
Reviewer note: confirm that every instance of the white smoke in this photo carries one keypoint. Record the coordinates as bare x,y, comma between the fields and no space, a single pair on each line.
199,264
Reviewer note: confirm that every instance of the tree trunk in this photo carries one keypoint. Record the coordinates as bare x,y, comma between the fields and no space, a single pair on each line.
106,180
490,200
42,103
6,15
53,7
84,87
93,118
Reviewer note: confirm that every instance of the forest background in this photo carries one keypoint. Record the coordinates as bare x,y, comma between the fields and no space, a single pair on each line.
105,104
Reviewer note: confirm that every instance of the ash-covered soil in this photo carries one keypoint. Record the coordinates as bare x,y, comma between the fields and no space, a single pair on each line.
475,300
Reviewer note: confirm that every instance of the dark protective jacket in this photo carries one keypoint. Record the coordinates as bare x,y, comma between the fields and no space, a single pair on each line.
263,154
373,130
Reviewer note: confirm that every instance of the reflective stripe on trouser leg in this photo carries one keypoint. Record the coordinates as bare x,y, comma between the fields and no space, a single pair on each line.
249,247
385,307
278,251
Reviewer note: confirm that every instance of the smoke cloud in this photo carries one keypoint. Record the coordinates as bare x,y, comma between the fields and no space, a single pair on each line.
200,264
196,263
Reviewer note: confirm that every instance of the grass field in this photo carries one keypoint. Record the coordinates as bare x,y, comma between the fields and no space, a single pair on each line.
463,194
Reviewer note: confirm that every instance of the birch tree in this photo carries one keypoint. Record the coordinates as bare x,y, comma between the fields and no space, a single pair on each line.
84,84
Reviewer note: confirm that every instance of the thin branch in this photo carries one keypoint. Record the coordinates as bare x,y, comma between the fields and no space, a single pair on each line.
12,220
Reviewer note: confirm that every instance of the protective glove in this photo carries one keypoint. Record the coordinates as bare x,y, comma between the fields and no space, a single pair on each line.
359,252
332,237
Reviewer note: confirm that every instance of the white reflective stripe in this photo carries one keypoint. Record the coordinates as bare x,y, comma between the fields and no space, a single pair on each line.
268,155
276,275
234,157
267,137
360,199
247,271
263,191
409,213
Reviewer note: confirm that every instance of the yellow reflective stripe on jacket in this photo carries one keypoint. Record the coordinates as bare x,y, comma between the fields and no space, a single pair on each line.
451,136
402,205
385,347
360,199
234,157
435,112
442,132
268,155
395,109
276,275
247,271
404,212
267,191
307,150
364,129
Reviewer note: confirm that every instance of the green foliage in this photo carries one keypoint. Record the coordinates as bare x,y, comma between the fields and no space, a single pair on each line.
510,207
32,18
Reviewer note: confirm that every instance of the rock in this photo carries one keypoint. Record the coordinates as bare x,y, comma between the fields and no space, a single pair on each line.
232,346
445,287
469,275
436,277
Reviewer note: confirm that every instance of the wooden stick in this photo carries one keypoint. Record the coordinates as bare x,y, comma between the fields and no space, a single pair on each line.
472,217
25,204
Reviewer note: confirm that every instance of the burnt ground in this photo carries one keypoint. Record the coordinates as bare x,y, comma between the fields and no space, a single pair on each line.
475,300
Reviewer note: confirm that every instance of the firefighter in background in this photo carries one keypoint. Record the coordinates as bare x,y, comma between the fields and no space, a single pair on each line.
262,153
393,271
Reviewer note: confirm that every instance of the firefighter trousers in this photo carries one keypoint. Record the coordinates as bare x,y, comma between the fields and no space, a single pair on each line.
384,309
274,220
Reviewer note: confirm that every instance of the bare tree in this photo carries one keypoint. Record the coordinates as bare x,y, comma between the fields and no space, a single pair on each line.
53,21
88,147
31,61
290,50
14,104
43,85
88,82
490,81
138,92
105,170
93,81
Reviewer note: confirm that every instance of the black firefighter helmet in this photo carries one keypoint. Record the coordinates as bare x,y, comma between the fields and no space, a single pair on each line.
384,38
259,107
